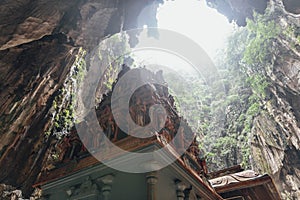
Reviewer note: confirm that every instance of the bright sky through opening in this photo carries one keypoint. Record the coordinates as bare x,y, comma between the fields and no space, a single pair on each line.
197,21
193,19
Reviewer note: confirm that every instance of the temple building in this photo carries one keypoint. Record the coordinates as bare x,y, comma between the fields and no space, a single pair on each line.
78,174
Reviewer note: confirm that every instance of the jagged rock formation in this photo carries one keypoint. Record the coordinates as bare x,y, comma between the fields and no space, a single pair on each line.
8,192
275,133
292,6
85,22
28,84
276,130
38,44
239,10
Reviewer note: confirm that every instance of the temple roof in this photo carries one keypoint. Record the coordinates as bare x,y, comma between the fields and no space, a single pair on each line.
132,144
244,185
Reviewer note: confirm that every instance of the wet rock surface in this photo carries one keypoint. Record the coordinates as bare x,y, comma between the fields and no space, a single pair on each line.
39,41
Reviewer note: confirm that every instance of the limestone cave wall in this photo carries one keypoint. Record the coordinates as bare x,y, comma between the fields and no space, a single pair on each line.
275,133
39,41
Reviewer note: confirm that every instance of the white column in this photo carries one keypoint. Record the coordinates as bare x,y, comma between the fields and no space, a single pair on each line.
107,185
151,178
180,187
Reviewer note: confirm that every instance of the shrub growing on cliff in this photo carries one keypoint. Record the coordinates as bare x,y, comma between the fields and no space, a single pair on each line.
262,32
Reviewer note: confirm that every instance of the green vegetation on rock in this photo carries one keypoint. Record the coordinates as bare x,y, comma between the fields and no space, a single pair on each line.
63,105
249,56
